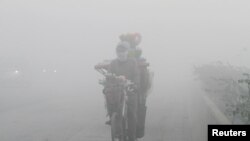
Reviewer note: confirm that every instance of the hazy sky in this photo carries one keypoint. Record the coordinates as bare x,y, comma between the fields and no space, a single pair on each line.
172,30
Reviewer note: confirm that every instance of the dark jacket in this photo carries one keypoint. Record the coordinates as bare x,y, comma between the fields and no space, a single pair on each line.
128,68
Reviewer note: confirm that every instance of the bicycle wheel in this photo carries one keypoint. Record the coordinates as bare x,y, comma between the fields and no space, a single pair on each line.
113,126
124,134
118,128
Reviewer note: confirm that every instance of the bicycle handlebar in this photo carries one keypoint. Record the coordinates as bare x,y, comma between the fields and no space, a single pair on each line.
120,80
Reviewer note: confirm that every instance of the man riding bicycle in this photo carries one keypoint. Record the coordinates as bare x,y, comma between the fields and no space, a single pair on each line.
131,67
124,66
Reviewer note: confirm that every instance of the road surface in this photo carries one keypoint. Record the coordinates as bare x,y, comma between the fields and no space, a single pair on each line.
176,111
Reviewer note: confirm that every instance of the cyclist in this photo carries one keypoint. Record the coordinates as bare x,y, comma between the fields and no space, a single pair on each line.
127,67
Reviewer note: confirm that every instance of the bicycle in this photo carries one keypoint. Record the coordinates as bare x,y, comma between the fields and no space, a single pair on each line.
118,115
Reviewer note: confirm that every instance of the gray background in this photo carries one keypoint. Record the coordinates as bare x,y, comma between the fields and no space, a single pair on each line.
72,36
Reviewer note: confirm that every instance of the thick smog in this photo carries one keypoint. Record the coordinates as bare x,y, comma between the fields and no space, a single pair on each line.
130,70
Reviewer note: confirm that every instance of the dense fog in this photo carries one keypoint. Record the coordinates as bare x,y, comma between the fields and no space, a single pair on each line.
48,48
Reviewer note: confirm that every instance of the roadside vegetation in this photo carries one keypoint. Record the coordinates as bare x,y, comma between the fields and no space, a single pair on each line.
229,87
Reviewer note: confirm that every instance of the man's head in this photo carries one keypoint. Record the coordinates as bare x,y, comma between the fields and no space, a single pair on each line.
122,50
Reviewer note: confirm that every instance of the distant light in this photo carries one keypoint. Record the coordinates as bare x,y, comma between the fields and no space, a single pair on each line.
16,71
55,71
